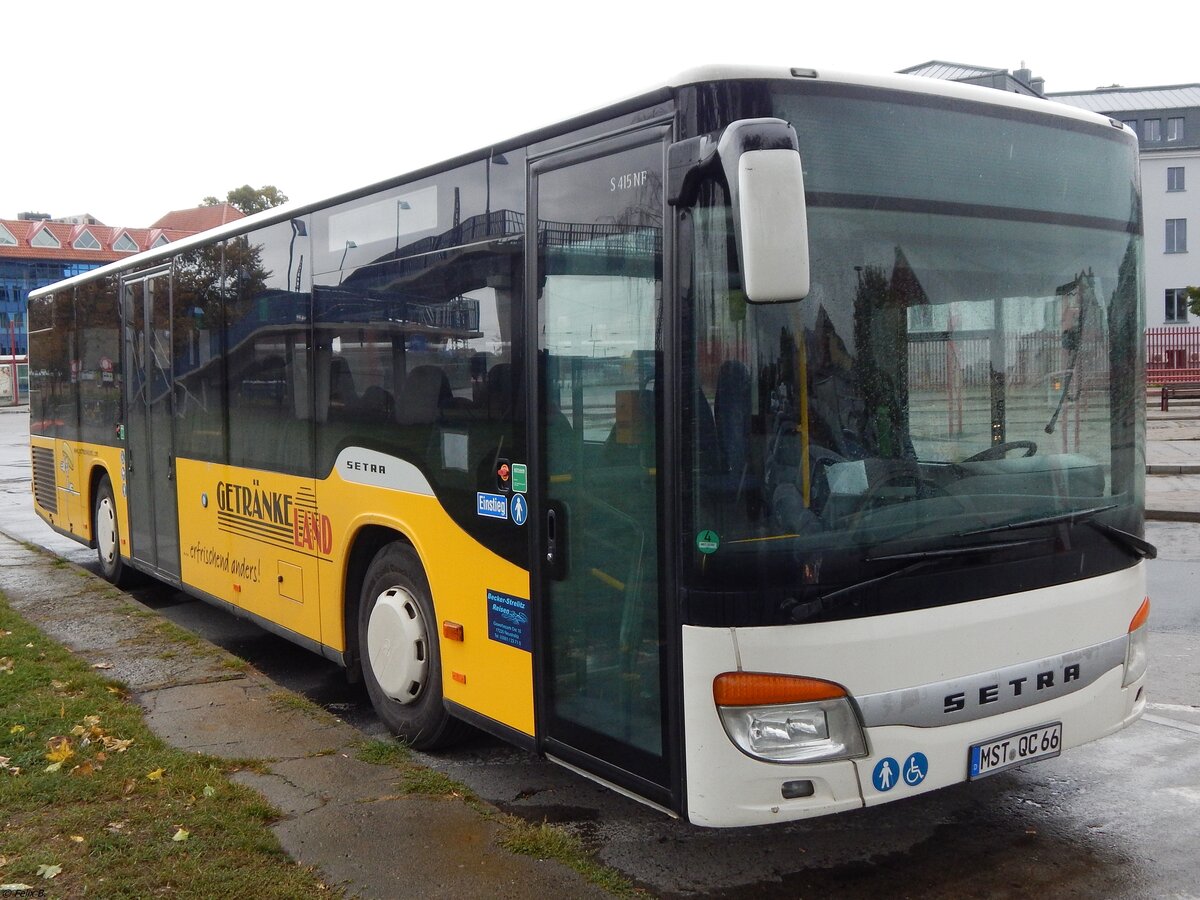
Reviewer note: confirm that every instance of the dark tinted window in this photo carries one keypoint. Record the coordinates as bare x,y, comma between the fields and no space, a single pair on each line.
99,340
53,409
197,336
267,349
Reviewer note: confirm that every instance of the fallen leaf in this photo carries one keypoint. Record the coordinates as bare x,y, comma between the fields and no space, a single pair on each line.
60,685
182,834
46,871
6,665
17,729
60,749
130,787
84,769
116,827
53,767
156,775
102,665
116,745
209,790
29,646
77,838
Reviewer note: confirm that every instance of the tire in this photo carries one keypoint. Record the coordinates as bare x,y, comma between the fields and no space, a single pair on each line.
106,530
398,646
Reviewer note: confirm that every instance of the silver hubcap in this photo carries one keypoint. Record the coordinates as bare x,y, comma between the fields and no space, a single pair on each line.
398,645
106,531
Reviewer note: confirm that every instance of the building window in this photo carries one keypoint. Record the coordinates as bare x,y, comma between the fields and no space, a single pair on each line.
1175,129
1177,307
125,244
1152,130
162,241
86,241
1132,123
44,238
6,238
1175,180
1177,235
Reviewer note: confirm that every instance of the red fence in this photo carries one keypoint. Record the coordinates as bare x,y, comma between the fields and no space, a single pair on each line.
1172,355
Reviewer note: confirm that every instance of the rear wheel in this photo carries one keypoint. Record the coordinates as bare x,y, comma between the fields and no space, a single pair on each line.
397,638
107,532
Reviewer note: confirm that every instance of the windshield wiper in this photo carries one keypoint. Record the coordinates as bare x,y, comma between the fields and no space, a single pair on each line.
1126,541
916,560
1130,542
1069,518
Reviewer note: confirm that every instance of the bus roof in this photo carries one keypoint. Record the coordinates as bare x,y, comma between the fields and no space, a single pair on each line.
659,93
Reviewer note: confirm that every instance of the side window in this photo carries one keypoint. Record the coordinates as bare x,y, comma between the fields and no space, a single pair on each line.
99,360
51,396
199,366
417,325
266,347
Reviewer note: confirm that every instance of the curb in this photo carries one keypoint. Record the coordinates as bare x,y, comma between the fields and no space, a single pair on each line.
1173,470
1172,515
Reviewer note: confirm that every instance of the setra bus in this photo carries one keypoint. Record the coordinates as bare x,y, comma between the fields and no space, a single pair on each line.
765,445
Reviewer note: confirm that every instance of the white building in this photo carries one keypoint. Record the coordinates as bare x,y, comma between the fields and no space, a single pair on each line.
1167,122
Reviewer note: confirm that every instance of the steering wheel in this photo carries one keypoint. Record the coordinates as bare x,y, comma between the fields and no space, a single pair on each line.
999,451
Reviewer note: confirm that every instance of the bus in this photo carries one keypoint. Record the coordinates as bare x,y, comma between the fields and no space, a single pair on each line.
766,445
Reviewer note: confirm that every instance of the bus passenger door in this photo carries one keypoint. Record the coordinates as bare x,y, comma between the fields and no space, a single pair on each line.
149,435
598,268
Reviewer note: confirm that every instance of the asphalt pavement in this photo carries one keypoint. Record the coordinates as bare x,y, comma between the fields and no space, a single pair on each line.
339,814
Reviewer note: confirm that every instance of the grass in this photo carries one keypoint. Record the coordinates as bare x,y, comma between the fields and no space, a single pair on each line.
546,841
94,804
287,701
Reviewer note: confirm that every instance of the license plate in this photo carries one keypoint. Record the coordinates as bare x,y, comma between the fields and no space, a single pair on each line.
1015,749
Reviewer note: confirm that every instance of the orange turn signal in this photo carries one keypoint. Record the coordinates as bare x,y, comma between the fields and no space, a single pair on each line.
452,631
762,689
1141,616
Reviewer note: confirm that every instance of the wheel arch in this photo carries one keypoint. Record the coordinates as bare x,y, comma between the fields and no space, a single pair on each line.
95,476
364,545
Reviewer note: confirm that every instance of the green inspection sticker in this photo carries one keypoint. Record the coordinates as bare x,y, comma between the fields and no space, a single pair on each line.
707,542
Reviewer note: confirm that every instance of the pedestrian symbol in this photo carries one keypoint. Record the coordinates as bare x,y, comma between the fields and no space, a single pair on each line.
884,776
916,767
518,509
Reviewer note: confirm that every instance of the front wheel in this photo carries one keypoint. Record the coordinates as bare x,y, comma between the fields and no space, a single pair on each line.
107,532
397,639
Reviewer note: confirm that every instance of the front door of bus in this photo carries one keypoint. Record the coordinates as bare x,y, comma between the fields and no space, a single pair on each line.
599,262
149,446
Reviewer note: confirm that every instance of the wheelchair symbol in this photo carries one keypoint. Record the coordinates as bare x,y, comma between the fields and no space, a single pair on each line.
916,767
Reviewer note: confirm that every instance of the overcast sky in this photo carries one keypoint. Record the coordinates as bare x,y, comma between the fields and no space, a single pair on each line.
127,110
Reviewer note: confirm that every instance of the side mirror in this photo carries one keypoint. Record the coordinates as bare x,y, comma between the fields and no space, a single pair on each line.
761,159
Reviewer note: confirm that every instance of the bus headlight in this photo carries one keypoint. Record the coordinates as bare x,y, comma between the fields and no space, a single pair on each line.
784,718
1136,654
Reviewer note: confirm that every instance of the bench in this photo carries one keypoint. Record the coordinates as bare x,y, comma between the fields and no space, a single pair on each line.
1180,391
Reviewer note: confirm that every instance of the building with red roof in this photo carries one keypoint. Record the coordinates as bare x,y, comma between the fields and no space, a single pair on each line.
36,250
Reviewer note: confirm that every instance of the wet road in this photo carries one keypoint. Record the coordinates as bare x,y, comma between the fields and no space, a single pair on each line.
1117,818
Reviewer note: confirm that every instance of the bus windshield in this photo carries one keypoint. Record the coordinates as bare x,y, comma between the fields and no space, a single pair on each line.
954,408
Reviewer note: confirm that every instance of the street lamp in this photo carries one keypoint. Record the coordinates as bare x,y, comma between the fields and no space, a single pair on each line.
298,230
493,159
400,204
341,271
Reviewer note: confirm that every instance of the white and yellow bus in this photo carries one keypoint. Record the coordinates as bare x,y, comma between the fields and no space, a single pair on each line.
766,445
